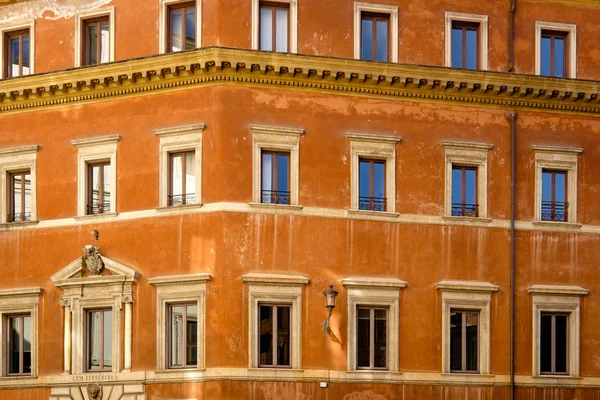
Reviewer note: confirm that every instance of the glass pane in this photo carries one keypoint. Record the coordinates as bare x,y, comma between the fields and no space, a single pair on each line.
545,56
382,40
546,343
176,28
471,186
16,189
27,345
366,39
546,186
283,336
176,175
92,44
14,56
457,185
363,337
380,339
456,48
27,193
104,42
106,184
456,341
559,57
190,29
471,49
192,335
267,177
561,348
26,55
281,40
107,339
364,179
472,340
190,174
379,180
95,184
266,29
265,350
94,337
283,162
559,186
177,330
14,344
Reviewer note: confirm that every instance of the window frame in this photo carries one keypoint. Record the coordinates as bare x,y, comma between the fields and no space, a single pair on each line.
553,35
482,36
553,341
169,29
182,153
371,196
85,51
90,189
570,30
164,22
169,336
292,24
275,154
87,340
7,36
4,31
274,307
80,33
372,310
16,159
5,326
553,173
11,216
381,9
463,183
463,360
375,17
274,6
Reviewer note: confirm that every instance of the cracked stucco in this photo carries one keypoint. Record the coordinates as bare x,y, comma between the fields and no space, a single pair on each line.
48,9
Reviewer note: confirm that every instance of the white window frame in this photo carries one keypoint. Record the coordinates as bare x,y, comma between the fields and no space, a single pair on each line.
374,147
179,289
275,138
12,28
470,155
274,289
173,140
292,29
92,150
80,17
20,301
163,15
560,299
558,159
571,30
482,51
392,11
374,292
15,159
467,295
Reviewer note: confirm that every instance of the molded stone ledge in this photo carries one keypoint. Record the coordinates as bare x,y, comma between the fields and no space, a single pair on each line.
565,290
557,225
374,283
97,140
467,378
373,376
454,220
180,279
258,278
369,137
467,286
372,215
271,206
275,373
180,130
95,216
179,209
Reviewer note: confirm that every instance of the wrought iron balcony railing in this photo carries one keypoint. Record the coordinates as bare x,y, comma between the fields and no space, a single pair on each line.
182,199
19,217
98,208
275,197
372,203
465,210
555,211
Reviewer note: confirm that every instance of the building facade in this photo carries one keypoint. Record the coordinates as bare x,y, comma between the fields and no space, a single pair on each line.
180,182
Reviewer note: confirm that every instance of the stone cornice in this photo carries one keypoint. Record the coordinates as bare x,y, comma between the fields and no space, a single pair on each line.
19,150
561,290
223,66
95,141
202,277
367,137
276,130
258,278
368,282
466,286
180,130
557,149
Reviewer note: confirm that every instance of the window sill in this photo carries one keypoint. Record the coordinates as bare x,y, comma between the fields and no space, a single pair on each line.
556,379
558,225
179,208
178,374
16,225
373,215
467,378
365,375
270,206
466,220
96,216
274,373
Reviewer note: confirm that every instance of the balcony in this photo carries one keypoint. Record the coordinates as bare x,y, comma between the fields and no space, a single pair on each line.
181,199
19,217
465,210
275,197
372,203
555,211
99,208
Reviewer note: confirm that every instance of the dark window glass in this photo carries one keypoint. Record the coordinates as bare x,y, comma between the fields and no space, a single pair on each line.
554,345
182,178
274,328
182,27
17,53
275,178
19,196
98,191
96,41
99,340
554,196
183,335
374,37
465,45
464,341
19,344
371,338
553,57
371,185
274,21
464,191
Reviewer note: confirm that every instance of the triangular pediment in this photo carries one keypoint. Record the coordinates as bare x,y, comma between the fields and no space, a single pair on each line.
75,270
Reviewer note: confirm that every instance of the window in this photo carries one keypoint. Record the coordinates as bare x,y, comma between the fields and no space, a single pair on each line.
99,340
274,336
18,332
19,193
98,193
466,41
275,177
274,22
464,341
183,335
554,195
181,27
555,49
95,37
182,178
17,53
371,177
371,338
375,32
464,192
554,345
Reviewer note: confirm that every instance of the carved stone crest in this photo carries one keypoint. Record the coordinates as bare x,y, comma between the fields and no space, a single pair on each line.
93,261
94,391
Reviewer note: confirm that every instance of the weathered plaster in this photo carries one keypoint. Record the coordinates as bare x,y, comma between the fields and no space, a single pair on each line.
48,9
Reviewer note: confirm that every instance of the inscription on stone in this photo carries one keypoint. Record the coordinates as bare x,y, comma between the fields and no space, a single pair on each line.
95,377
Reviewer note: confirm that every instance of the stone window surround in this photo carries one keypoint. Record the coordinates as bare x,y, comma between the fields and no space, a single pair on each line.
276,289
20,301
384,292
471,155
483,36
163,15
292,28
392,11
80,17
176,139
563,299
571,31
376,147
277,139
467,295
560,159
173,289
15,159
95,149
12,28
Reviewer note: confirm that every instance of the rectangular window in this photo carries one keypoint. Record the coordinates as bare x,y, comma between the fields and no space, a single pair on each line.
99,340
464,341
182,178
19,192
553,53
464,192
98,191
96,41
18,345
554,348
465,45
274,23
181,27
274,335
374,41
371,182
275,177
183,335
554,196
17,45
371,338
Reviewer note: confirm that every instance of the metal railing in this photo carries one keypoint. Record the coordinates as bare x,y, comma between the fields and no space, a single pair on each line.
372,203
19,217
99,208
181,199
465,210
275,197
555,211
